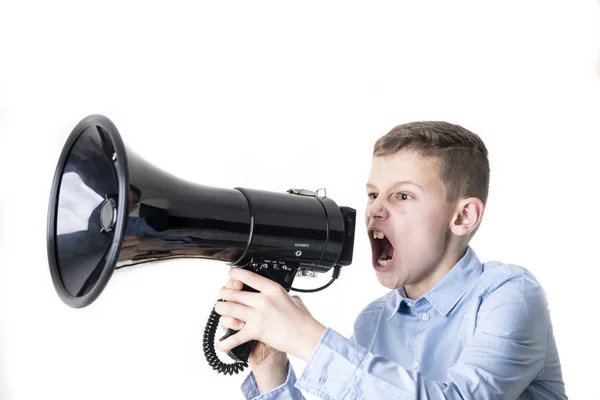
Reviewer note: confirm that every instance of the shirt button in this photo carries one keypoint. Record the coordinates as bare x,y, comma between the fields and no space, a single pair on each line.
425,317
416,364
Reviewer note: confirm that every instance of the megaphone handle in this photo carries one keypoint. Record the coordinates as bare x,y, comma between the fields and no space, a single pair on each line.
282,276
241,352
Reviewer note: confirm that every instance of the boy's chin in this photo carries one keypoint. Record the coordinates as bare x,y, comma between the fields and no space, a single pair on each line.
390,282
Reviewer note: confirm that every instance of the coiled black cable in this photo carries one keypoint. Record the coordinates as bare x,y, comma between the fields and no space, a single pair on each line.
208,344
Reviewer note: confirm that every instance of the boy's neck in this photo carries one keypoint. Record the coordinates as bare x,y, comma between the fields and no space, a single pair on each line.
446,263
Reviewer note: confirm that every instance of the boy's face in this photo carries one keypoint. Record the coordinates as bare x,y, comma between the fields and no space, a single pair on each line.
407,203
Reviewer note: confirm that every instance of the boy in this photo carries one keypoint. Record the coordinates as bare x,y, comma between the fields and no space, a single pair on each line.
450,328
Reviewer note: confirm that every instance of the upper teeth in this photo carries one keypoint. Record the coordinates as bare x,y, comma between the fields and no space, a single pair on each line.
378,235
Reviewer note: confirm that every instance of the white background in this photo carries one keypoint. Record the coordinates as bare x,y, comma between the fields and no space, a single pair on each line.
275,96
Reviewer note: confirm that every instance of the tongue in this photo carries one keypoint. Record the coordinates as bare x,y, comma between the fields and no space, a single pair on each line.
385,255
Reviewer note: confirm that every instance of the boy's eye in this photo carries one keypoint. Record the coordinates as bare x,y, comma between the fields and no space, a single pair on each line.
372,195
404,196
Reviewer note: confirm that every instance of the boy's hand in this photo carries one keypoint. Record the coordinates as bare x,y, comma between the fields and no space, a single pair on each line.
271,316
262,355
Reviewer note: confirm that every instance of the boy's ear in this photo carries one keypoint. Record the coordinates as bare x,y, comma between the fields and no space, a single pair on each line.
467,216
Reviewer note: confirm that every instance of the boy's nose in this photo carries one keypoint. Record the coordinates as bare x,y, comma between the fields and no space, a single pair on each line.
376,211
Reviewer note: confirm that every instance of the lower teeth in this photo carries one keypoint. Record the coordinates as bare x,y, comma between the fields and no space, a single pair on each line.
383,263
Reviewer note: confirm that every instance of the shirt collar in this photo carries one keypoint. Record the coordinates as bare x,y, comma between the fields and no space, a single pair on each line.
450,289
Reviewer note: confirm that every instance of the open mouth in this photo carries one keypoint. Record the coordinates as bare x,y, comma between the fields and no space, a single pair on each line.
382,249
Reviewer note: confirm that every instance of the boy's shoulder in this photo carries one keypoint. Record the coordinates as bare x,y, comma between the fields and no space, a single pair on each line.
497,275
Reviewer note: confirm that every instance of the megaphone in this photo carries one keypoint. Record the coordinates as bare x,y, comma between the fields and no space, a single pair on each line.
109,208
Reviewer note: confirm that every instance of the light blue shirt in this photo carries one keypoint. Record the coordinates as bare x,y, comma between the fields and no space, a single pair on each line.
482,332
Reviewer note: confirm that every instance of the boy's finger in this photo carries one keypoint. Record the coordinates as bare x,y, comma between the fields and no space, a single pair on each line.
230,323
254,280
234,284
233,341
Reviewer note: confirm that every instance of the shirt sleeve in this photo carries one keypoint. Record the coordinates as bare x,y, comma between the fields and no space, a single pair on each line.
286,391
506,352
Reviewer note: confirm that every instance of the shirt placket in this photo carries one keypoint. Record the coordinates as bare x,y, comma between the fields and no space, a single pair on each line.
422,310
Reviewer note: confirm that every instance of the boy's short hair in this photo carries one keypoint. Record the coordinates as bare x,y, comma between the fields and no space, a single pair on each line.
461,155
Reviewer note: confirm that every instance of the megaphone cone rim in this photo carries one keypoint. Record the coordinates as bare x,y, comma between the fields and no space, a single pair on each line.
109,260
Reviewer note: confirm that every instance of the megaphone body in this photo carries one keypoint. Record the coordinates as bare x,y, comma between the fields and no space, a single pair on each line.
110,208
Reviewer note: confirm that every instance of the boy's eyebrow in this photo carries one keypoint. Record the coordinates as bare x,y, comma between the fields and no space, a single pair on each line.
371,186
